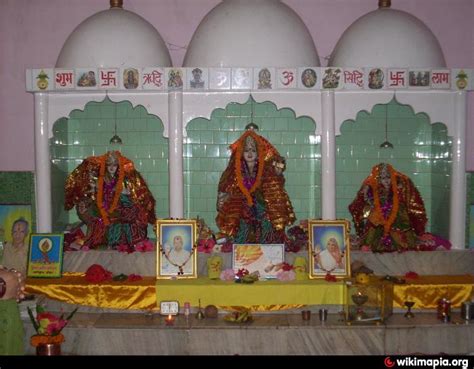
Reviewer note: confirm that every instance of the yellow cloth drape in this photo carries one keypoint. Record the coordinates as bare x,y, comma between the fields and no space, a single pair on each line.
74,289
425,291
260,296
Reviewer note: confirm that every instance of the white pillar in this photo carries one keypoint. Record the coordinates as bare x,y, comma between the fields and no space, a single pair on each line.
42,165
175,154
457,220
328,156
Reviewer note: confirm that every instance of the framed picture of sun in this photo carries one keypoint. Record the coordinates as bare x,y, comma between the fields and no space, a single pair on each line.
45,258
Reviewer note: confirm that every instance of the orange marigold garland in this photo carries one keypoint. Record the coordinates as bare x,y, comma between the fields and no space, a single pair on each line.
387,223
239,147
39,339
104,213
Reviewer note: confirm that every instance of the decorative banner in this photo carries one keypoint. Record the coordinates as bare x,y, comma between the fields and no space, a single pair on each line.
86,78
375,78
440,79
419,78
64,79
42,79
397,78
353,78
197,78
245,78
108,78
460,79
286,78
309,78
263,78
153,78
130,78
175,78
242,78
332,78
219,79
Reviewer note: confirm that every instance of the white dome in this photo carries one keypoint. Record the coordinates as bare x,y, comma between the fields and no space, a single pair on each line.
251,33
387,38
114,38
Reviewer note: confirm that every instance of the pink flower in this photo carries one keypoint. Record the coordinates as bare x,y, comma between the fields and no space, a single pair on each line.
85,248
227,275
206,246
286,275
50,324
144,246
54,327
124,248
365,248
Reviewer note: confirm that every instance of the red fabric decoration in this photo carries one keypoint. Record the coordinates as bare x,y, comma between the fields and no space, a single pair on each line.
411,275
97,273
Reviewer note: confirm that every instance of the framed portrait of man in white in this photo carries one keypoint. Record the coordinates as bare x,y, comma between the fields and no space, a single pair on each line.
176,249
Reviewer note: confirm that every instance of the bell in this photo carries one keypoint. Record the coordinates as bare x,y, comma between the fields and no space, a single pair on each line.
200,315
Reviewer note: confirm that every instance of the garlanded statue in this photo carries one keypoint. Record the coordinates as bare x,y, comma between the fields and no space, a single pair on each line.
113,200
252,204
388,211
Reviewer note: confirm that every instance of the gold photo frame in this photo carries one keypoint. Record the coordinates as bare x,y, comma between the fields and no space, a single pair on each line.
329,248
176,255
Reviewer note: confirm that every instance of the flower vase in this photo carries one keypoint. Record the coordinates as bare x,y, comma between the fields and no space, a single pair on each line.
48,349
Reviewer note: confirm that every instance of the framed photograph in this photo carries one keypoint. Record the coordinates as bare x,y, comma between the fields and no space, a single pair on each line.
177,250
266,259
329,248
15,227
45,259
10,214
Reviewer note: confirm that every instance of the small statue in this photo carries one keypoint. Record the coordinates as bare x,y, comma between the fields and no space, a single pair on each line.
113,200
252,204
388,211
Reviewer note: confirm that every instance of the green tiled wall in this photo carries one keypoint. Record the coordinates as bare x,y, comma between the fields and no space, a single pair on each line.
18,188
421,150
469,204
206,155
88,133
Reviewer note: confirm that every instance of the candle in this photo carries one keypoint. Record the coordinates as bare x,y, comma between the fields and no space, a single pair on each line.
169,320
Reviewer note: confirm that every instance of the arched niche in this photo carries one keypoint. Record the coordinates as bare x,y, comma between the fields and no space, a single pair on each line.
88,132
422,151
206,155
